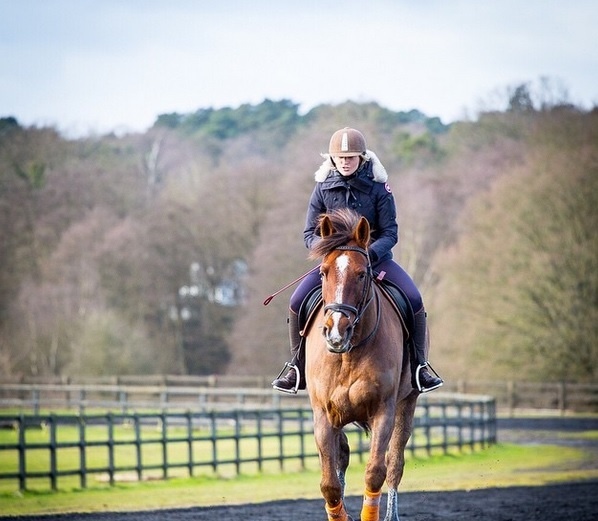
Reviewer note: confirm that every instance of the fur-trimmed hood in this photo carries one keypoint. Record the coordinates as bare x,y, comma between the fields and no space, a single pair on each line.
378,170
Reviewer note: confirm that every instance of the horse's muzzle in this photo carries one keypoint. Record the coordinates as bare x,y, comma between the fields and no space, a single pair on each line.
338,327
338,332
339,350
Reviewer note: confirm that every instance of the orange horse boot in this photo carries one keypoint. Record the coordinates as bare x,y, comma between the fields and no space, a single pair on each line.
370,511
337,513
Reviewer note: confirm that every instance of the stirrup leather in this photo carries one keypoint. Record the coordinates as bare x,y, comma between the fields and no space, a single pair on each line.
418,383
292,367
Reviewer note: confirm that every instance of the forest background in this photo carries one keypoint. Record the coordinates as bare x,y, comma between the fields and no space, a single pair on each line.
152,253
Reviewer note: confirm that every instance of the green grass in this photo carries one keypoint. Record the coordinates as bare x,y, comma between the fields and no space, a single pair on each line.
270,448
499,466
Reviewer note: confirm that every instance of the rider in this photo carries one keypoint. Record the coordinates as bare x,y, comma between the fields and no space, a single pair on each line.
352,176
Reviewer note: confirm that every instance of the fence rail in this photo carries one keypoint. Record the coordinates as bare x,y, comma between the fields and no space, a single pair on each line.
127,398
511,395
220,390
39,450
207,393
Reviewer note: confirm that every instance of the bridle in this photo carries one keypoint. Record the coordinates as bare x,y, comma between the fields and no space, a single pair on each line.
363,304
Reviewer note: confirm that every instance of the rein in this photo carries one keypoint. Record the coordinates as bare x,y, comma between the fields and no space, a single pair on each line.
364,301
269,299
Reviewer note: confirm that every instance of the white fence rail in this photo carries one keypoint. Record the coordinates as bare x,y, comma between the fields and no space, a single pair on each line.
221,392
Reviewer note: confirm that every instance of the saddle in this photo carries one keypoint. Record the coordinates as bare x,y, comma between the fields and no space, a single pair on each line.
312,302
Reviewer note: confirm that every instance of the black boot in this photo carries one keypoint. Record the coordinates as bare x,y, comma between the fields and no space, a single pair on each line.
424,381
295,378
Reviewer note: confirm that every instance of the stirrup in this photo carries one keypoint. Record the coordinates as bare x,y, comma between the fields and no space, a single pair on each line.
418,383
291,367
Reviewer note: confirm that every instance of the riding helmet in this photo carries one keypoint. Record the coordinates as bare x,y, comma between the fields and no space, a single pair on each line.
347,142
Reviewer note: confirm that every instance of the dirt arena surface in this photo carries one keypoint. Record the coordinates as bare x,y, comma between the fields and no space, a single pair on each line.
567,501
572,501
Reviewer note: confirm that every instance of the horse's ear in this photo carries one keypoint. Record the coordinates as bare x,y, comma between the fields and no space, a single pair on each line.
326,227
362,233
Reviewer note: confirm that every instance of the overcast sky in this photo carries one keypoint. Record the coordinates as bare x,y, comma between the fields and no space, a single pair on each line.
94,66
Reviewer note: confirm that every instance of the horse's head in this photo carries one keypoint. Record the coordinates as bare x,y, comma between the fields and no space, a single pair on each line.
346,275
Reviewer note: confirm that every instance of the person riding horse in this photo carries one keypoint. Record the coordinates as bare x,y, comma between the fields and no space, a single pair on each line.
352,176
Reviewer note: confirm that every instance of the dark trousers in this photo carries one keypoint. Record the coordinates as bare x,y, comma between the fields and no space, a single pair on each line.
394,273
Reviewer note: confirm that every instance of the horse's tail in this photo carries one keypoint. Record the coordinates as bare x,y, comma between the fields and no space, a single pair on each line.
365,427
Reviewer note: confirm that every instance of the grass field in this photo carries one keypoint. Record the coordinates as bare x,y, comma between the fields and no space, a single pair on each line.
242,451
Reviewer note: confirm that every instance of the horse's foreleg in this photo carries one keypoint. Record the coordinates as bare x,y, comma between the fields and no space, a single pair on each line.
370,510
344,452
330,442
392,505
396,454
337,513
375,473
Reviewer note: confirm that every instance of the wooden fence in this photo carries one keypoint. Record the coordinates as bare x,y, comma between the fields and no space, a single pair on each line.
39,450
510,395
127,398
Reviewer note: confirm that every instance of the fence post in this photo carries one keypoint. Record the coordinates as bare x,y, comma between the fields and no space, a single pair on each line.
214,440
110,420
472,422
35,399
164,442
237,420
280,439
53,463
138,452
189,417
82,460
444,429
562,397
22,454
122,400
82,401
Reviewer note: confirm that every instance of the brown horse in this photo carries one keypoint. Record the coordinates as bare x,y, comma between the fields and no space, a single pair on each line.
357,370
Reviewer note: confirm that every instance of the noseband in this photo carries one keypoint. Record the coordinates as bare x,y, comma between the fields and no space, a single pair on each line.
363,304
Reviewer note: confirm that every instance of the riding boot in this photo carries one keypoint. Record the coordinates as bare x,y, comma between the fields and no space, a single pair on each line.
424,381
295,378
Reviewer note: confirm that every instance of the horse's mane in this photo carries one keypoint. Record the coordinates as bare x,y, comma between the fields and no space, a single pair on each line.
344,222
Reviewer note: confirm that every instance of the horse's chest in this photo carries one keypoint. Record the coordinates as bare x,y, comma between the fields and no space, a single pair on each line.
356,402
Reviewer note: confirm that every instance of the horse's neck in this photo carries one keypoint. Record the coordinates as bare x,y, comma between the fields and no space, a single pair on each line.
370,320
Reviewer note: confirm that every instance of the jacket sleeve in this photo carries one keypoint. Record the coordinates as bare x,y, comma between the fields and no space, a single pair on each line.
387,229
315,208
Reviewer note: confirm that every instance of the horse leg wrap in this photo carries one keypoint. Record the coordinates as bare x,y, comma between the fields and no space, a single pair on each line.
337,513
370,511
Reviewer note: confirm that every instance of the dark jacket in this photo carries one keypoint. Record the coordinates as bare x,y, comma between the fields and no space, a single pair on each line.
370,198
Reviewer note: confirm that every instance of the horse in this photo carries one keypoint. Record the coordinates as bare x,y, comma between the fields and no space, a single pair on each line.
357,369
